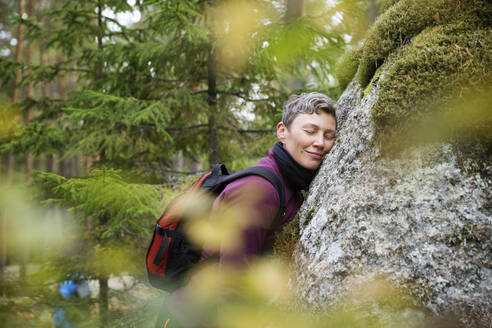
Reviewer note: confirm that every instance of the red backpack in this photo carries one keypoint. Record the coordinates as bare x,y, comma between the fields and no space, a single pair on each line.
170,255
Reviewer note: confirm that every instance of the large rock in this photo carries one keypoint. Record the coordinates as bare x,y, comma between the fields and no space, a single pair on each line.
421,220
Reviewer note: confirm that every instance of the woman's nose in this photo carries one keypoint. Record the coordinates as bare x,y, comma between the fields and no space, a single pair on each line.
319,140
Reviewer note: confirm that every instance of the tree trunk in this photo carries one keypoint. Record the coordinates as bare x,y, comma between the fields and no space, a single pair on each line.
51,163
178,161
18,51
74,166
45,86
45,92
293,9
42,52
79,164
3,247
372,11
64,165
87,164
15,98
10,168
23,263
103,300
30,94
18,76
99,67
212,114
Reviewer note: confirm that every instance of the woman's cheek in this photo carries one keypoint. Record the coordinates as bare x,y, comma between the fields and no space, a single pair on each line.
330,146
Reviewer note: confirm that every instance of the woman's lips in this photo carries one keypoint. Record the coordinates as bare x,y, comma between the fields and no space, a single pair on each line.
314,155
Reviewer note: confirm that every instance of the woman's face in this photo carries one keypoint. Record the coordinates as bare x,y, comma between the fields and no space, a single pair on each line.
308,138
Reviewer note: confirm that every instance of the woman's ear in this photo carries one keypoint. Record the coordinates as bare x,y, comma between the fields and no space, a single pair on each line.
281,130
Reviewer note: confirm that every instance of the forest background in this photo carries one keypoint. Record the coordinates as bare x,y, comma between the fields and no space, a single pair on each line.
108,108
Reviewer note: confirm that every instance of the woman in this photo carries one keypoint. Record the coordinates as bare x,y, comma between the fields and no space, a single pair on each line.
306,134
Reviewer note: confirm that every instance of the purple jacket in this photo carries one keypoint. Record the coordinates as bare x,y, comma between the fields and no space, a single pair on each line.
261,201
256,236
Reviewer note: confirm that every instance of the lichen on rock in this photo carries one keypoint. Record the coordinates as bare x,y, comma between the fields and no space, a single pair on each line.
420,219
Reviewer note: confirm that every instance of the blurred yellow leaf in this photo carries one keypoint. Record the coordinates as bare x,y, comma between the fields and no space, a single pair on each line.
9,121
235,24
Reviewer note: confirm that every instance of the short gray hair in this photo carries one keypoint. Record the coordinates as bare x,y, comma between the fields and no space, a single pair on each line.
308,103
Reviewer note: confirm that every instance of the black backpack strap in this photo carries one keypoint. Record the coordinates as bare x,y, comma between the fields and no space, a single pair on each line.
218,171
219,167
265,173
166,233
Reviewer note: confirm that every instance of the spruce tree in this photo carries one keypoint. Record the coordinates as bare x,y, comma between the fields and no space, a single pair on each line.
179,80
173,82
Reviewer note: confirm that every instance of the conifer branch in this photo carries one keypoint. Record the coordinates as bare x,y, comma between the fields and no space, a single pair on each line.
234,93
257,131
168,170
242,96
186,127
190,127
118,33
70,69
183,128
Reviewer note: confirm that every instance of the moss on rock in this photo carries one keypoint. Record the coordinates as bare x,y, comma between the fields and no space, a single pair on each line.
426,76
405,19
377,74
346,68
287,240
385,5
438,52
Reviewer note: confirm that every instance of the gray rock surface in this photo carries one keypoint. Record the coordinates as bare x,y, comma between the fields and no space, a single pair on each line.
422,220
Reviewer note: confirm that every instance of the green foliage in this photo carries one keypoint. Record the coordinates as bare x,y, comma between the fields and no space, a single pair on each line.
121,127
113,207
249,151
37,137
9,122
33,302
146,91
288,44
241,164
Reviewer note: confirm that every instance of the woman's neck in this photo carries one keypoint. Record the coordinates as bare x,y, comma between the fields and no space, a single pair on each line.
296,175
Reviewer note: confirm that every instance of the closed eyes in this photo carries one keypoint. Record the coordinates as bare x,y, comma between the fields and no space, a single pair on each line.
326,136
